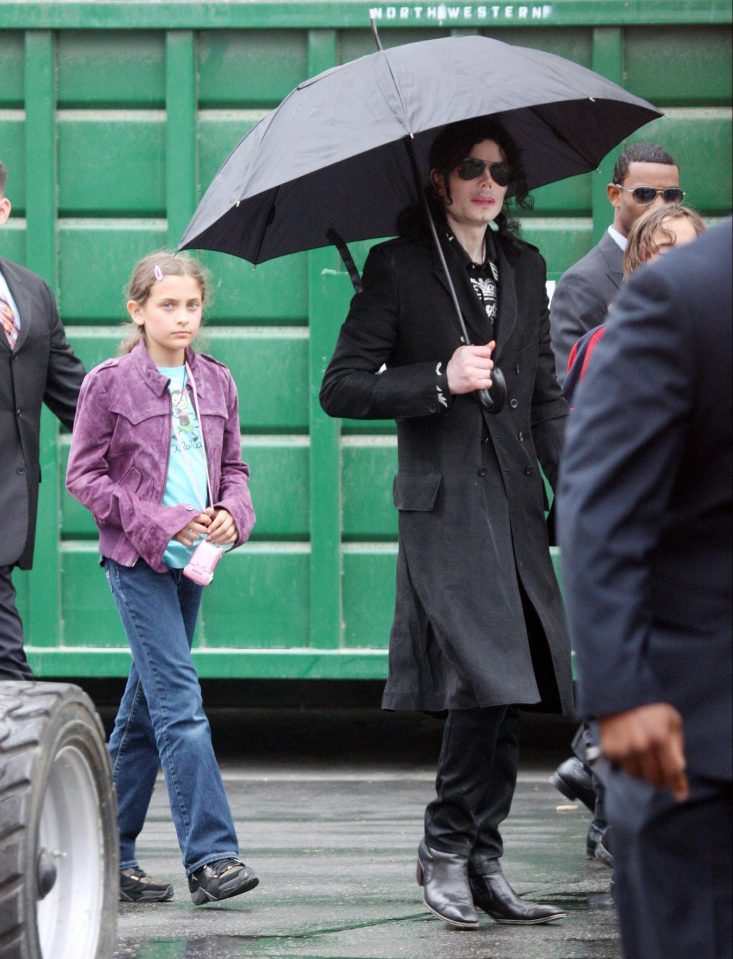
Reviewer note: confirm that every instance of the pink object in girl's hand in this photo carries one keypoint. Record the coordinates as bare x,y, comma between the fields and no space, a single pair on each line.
202,564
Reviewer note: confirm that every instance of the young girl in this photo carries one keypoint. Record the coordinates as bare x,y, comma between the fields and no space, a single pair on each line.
155,430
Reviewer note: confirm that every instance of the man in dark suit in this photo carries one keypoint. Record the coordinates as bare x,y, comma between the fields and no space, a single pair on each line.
36,366
478,626
644,512
583,293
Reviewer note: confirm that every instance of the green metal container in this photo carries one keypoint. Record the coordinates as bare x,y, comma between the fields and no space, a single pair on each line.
114,117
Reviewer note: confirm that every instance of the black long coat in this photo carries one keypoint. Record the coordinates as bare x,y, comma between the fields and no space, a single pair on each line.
468,489
41,369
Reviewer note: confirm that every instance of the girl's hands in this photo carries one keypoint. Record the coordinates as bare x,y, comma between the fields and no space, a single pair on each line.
195,528
223,529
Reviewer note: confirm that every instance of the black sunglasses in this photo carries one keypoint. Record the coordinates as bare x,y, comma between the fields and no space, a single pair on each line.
647,194
501,173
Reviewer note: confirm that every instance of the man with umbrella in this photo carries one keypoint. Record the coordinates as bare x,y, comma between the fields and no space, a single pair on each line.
478,628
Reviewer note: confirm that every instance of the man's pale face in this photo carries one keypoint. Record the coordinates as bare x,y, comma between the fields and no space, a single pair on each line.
473,203
626,209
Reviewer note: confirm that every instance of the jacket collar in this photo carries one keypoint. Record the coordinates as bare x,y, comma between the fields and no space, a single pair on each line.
613,256
153,379
507,257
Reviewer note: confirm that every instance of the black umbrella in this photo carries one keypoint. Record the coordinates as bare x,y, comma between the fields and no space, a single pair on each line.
330,164
331,158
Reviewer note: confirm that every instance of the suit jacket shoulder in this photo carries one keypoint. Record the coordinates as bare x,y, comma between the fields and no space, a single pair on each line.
582,297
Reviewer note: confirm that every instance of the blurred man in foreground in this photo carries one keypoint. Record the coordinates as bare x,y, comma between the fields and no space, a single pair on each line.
645,505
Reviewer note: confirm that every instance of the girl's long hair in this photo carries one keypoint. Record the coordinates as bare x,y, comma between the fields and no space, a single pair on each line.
650,232
162,263
453,144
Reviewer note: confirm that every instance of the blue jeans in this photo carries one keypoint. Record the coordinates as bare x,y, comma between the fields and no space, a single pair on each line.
161,719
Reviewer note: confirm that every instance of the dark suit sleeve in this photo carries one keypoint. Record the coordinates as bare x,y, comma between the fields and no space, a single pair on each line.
549,408
65,372
352,385
577,306
624,444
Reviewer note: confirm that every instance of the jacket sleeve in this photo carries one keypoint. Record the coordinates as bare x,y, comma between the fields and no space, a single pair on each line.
577,306
65,373
549,407
234,495
148,526
353,385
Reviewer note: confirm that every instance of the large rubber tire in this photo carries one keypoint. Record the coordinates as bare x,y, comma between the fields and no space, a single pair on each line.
58,826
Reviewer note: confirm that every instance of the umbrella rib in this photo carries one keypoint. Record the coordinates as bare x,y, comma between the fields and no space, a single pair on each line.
405,118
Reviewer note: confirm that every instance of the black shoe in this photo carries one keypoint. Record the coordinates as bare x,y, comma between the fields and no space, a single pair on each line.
221,880
603,852
138,886
573,780
493,894
447,894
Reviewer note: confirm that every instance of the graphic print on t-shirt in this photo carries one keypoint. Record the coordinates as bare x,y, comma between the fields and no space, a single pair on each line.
485,289
187,425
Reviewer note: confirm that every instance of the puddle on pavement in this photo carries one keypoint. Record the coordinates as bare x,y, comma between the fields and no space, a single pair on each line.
207,947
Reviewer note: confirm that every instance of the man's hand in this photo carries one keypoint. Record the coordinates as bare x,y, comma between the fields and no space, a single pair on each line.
470,368
647,742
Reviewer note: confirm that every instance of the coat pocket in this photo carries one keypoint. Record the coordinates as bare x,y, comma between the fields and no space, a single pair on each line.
416,491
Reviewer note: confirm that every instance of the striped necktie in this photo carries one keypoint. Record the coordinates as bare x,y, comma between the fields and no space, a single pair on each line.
8,318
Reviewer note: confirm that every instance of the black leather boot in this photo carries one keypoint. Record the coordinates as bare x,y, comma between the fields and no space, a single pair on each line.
574,781
447,894
493,894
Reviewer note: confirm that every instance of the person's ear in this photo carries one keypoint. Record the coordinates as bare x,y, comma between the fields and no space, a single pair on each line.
136,312
438,183
5,207
613,192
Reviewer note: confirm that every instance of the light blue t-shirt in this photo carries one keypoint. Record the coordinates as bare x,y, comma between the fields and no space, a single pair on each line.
186,480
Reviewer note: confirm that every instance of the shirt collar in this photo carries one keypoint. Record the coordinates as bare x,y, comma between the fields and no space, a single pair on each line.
618,238
464,258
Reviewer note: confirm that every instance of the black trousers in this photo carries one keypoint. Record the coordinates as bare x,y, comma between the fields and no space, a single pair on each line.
13,664
477,775
673,864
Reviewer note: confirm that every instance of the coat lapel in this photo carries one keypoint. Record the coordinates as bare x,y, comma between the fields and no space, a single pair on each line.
471,310
614,257
507,297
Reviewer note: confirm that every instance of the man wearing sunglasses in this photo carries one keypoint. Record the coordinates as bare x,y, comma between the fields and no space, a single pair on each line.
478,629
645,176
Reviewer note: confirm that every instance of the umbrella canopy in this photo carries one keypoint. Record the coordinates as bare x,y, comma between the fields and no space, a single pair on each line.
331,157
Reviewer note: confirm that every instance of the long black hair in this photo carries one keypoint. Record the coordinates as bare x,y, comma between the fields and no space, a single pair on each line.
453,144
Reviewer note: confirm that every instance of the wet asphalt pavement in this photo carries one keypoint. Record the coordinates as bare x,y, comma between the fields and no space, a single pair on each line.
329,805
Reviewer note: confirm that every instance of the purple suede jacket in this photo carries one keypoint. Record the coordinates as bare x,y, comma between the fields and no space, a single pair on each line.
120,446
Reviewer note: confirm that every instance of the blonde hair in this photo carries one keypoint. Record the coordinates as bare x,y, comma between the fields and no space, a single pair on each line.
649,233
149,271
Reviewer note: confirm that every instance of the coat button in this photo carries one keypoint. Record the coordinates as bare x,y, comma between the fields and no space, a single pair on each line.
528,471
517,368
521,437
513,403
21,470
482,472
